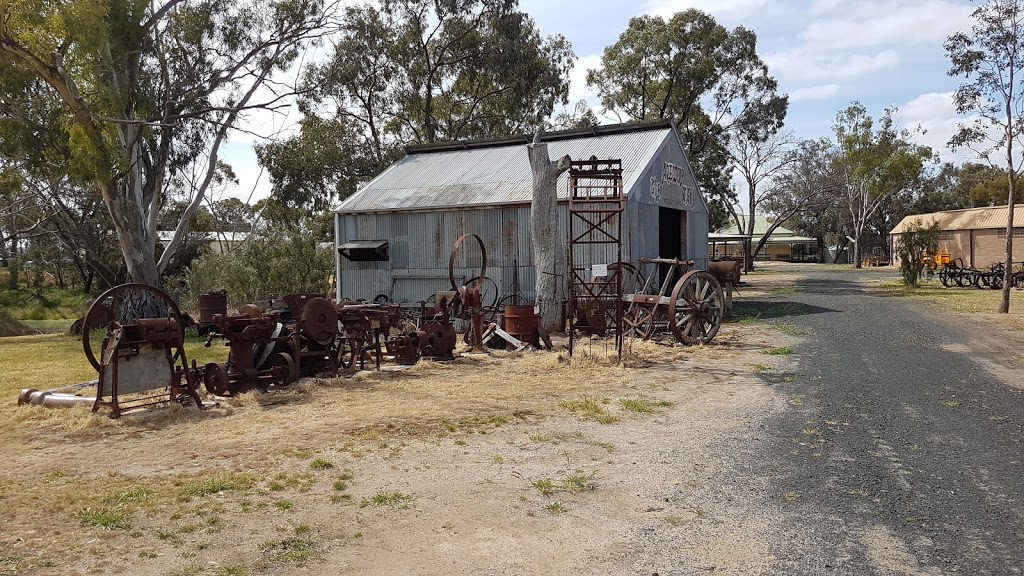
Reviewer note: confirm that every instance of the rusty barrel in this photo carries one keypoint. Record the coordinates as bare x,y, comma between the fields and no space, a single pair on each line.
521,323
725,271
211,304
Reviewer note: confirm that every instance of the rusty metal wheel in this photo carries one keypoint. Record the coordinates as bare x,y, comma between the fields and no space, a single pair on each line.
639,323
125,302
215,378
289,371
696,308
483,262
320,321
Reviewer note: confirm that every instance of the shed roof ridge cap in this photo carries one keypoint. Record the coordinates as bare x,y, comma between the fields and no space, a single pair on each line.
587,132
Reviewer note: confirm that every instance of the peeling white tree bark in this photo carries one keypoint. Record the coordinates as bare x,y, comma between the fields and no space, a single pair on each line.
547,239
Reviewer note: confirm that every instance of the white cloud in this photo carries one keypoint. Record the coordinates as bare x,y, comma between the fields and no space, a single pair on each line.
808,65
871,24
578,89
729,9
935,114
811,93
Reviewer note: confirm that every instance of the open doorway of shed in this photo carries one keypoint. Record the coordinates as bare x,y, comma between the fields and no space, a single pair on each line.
671,235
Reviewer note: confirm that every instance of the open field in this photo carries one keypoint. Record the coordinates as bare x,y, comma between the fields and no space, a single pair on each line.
518,464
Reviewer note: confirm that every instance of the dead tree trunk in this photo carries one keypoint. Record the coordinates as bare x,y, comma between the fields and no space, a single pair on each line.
548,242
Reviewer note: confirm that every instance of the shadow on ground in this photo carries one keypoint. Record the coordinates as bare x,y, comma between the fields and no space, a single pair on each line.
767,309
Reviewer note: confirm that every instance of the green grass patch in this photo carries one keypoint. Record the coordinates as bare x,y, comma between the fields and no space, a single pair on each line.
397,500
590,408
290,549
642,405
321,464
954,298
571,483
217,485
781,351
105,518
556,508
544,486
283,504
139,494
46,304
51,360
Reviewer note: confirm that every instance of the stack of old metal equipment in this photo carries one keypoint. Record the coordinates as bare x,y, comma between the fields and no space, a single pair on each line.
306,335
140,362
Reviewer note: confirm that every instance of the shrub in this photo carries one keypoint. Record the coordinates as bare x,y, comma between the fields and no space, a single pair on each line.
271,264
914,243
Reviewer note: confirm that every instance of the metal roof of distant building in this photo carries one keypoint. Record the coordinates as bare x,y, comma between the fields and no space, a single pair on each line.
497,171
761,225
966,219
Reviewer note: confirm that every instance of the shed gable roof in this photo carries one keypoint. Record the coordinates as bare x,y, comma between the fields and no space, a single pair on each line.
497,172
967,219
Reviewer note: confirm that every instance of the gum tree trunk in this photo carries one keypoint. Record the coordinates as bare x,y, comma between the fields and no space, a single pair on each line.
548,241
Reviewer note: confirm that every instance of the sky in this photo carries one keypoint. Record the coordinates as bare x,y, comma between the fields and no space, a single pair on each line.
824,53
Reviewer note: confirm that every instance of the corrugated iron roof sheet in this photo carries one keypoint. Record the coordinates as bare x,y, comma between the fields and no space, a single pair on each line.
967,219
496,174
761,225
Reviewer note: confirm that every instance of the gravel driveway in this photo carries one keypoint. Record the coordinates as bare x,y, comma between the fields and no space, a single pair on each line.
903,453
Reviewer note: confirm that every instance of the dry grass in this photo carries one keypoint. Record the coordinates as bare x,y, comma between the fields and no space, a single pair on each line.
232,468
963,300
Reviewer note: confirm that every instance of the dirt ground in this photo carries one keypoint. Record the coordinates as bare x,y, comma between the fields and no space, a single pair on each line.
513,464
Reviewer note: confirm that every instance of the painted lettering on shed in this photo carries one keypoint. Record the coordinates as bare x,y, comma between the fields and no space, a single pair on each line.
672,186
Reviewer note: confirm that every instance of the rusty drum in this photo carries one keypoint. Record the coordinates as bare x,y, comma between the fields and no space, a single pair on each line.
521,322
211,304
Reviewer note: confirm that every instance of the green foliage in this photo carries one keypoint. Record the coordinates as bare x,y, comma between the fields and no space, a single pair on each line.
914,243
991,61
707,78
291,549
414,72
135,99
266,264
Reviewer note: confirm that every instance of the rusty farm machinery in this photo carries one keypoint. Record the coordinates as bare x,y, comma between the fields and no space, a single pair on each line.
954,273
140,362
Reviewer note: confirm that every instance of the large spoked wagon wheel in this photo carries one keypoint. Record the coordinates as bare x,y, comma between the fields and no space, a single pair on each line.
124,303
696,308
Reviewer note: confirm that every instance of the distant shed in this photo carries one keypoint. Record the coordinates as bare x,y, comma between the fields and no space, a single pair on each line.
394,236
975,235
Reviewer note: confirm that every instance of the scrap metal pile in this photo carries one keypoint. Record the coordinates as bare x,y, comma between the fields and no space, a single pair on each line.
138,349
307,335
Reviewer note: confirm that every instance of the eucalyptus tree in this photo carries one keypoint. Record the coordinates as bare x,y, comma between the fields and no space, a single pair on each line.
806,193
759,160
146,89
416,72
991,58
873,162
707,78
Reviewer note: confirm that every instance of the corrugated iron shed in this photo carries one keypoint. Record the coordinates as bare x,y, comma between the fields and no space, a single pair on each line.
497,172
967,219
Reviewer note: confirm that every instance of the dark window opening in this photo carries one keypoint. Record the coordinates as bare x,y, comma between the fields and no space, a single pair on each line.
365,250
